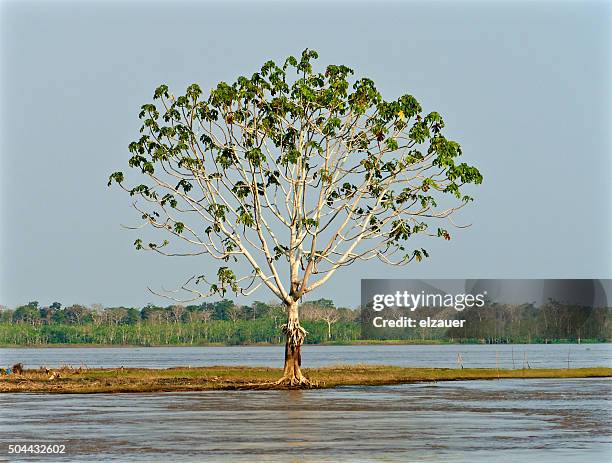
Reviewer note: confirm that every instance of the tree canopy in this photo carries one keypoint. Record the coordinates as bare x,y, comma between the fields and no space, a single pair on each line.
311,168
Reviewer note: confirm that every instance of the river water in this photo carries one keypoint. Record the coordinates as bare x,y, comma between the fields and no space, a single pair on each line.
514,420
441,356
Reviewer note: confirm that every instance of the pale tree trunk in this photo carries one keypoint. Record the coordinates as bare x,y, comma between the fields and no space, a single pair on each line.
295,334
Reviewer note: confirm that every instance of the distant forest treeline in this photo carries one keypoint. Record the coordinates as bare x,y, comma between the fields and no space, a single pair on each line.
225,322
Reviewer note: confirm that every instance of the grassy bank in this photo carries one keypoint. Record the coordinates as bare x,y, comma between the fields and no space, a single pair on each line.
234,378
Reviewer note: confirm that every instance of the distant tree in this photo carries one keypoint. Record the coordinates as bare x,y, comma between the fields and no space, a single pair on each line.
349,314
190,315
115,315
258,309
177,312
155,316
46,315
132,316
58,317
205,315
309,308
311,170
322,310
276,312
330,316
221,307
96,313
147,310
233,313
75,314
27,314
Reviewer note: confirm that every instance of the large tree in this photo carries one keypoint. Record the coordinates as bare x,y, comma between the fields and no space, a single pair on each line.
293,174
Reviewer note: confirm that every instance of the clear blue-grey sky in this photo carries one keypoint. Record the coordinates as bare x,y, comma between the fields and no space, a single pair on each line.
523,86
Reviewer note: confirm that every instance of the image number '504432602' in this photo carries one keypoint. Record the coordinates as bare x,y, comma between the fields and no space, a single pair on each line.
295,173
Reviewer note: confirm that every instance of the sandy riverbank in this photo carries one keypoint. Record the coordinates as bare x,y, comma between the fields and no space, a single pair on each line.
70,380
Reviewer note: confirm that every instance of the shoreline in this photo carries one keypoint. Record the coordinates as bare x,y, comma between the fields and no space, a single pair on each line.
185,379
326,344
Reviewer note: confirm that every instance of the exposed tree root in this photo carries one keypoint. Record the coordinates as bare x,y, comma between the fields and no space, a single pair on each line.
300,382
294,332
283,383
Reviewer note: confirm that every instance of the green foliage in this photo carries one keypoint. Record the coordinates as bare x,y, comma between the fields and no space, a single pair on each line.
224,322
26,314
324,142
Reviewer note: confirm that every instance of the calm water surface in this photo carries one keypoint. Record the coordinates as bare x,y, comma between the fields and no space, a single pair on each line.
444,356
479,421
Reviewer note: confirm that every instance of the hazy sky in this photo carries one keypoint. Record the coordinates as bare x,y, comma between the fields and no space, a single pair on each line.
523,86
